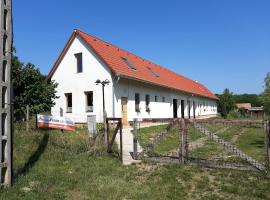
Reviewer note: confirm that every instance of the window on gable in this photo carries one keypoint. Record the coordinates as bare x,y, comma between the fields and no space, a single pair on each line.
147,102
89,101
68,102
137,102
153,72
130,64
78,57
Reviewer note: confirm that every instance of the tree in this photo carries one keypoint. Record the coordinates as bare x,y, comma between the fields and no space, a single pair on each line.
265,98
254,99
30,88
267,80
226,103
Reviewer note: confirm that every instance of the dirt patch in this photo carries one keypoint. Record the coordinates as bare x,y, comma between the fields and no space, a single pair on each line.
197,143
236,136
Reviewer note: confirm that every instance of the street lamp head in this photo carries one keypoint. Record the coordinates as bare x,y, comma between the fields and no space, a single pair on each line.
106,82
98,82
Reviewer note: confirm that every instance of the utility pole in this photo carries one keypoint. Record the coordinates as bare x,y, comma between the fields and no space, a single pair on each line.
6,125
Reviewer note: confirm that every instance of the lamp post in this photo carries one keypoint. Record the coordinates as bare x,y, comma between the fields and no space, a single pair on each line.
104,83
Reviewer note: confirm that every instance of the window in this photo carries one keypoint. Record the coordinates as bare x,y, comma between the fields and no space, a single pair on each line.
129,64
78,57
89,101
163,99
147,102
153,72
69,102
137,102
156,98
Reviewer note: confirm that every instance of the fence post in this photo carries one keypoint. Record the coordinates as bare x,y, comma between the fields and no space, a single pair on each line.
27,118
91,126
183,147
135,139
267,142
61,115
106,134
121,140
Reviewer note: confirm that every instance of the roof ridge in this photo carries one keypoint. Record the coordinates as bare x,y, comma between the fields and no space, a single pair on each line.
146,60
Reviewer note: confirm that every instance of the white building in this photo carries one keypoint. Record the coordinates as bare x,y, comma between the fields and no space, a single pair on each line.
138,87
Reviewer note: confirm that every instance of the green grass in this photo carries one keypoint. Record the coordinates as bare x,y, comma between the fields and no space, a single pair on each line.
248,139
52,165
170,144
148,133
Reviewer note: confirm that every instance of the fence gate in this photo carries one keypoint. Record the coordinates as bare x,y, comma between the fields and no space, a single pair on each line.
114,125
6,109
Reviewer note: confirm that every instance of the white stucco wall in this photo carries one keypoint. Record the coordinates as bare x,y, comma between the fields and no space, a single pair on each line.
93,68
128,88
77,83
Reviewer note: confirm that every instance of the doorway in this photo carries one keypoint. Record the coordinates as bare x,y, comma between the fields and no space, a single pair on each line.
124,110
183,108
174,108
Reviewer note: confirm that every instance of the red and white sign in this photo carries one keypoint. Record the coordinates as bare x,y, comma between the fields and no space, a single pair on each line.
56,122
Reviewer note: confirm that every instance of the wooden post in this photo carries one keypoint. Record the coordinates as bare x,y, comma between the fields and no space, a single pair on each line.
36,121
27,118
183,145
135,139
105,129
267,142
108,136
121,140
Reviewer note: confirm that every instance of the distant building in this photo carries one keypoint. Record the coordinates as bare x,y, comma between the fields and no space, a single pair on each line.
244,106
138,88
257,112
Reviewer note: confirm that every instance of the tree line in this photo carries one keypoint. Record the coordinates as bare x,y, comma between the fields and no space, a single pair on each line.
227,100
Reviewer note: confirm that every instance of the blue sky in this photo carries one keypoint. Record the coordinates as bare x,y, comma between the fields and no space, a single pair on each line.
220,43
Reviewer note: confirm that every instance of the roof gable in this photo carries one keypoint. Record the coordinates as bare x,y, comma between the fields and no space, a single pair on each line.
135,67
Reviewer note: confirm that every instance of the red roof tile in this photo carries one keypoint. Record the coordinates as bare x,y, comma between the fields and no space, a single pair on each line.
111,55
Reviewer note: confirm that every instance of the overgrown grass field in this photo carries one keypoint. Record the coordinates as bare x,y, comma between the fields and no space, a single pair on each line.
52,165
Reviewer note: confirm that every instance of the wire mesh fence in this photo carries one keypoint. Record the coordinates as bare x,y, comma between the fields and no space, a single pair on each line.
235,144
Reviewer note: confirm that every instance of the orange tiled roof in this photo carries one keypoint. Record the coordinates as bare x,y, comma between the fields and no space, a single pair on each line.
243,105
111,56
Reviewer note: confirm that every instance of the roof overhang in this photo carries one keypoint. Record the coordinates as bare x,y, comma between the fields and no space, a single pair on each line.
163,86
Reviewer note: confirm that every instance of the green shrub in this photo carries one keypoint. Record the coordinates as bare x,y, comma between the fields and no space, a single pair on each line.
234,114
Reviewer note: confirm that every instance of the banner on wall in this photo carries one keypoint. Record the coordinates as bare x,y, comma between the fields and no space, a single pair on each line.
56,122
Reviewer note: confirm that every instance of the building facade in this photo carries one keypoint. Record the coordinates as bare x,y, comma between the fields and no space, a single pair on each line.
137,88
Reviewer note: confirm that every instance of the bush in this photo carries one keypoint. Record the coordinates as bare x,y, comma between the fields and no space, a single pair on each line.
234,114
